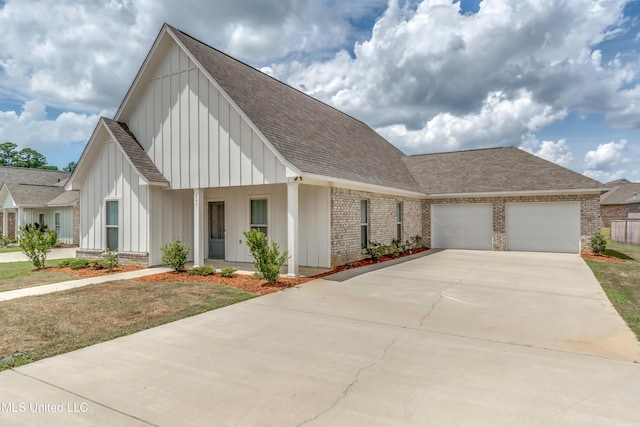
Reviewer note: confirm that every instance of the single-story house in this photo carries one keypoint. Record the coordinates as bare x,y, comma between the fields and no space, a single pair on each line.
205,147
633,207
614,203
30,196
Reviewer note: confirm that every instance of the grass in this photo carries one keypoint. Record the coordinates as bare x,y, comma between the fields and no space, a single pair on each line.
22,274
34,328
8,249
621,280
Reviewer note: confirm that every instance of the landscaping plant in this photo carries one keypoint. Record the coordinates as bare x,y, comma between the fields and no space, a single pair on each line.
598,243
204,270
109,261
175,254
267,259
36,242
228,272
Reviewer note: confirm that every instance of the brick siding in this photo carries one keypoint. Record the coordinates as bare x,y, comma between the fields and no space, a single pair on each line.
589,215
125,258
11,224
345,221
611,212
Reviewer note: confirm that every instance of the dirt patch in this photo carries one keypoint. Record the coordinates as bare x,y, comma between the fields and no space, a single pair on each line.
605,258
89,272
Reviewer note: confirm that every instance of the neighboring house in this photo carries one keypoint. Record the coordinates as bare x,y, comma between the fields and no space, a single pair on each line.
205,147
614,203
633,206
30,196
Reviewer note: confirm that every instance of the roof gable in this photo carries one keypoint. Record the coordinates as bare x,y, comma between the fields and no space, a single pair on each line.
494,170
33,176
315,138
28,195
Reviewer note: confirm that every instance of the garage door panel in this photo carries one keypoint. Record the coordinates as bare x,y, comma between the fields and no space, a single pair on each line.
462,226
543,227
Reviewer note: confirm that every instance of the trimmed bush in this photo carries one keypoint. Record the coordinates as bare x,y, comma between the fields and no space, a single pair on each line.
175,254
75,264
268,259
204,270
598,243
228,272
109,261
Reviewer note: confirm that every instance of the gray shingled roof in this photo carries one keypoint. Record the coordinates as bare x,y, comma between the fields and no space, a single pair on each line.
135,152
311,135
620,194
33,195
67,198
33,176
506,169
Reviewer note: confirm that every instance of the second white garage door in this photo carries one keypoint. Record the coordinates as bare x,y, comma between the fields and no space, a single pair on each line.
462,226
543,227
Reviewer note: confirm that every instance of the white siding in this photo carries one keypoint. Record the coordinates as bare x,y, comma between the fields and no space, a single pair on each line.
172,219
113,178
314,227
32,215
196,138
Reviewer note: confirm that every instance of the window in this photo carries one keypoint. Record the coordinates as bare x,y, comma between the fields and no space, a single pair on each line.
259,218
41,219
56,223
364,223
112,225
399,221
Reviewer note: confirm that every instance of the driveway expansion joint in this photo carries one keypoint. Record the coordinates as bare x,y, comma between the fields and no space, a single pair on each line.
345,392
433,307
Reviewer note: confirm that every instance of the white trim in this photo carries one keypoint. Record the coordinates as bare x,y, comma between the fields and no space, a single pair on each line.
314,179
260,197
518,193
119,226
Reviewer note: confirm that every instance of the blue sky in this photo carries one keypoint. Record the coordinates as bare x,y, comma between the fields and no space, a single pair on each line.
560,80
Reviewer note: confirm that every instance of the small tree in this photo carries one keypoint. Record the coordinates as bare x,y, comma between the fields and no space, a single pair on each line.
267,259
175,254
36,242
598,243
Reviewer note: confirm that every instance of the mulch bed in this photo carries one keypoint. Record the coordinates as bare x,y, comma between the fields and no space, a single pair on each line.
605,258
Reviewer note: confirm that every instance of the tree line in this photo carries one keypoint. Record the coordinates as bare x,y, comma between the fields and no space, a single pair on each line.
27,158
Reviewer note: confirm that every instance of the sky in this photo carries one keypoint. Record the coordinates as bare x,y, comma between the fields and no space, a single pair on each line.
558,78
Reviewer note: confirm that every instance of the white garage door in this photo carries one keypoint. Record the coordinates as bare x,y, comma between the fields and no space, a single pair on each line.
462,226
543,227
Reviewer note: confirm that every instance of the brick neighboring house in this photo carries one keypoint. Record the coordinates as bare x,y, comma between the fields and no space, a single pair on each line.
38,195
614,204
205,147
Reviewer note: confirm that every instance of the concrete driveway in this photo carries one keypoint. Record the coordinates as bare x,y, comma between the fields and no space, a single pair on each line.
453,338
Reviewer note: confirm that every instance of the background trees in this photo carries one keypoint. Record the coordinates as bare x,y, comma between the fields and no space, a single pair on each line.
25,158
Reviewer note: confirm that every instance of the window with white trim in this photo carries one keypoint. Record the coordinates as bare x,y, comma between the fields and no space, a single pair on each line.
112,224
364,223
57,223
399,213
259,215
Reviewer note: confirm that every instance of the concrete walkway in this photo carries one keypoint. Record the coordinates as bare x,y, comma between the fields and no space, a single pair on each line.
453,338
56,253
78,283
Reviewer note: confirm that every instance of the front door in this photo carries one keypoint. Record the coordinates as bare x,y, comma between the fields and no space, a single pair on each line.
216,230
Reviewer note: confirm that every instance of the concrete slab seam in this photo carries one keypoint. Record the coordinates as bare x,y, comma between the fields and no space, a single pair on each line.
433,307
84,397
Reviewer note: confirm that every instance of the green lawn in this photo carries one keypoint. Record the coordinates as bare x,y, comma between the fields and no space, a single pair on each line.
17,275
621,280
34,328
8,249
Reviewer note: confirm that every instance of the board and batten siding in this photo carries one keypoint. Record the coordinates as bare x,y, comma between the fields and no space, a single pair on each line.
195,137
32,215
313,228
113,178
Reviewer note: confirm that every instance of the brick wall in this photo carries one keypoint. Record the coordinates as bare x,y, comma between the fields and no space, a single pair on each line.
589,214
11,225
611,212
76,225
125,258
345,221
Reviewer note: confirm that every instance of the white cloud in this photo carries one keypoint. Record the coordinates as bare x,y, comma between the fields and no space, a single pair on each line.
554,151
606,156
31,128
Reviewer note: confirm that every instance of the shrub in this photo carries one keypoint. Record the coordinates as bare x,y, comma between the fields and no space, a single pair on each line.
204,270
598,243
75,263
109,261
416,241
376,250
228,272
36,242
175,254
3,240
268,259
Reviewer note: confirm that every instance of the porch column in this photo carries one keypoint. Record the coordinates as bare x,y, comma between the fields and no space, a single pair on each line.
292,228
19,214
5,223
198,227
